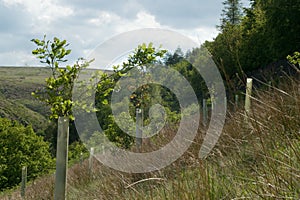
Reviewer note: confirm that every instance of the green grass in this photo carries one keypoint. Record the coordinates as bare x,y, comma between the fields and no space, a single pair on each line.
258,158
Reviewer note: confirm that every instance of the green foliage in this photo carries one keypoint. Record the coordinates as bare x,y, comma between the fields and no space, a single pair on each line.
77,151
116,135
274,30
295,59
185,65
141,59
256,161
176,57
225,50
265,34
255,48
20,146
58,90
282,26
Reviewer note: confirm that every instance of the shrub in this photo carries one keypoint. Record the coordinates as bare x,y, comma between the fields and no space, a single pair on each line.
20,146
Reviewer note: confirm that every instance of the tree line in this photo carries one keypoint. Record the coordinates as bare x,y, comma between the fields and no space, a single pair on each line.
252,38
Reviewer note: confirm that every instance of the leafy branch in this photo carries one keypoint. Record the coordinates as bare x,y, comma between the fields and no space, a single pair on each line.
58,90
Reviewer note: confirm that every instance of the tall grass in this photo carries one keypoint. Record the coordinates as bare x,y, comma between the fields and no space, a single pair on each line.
257,157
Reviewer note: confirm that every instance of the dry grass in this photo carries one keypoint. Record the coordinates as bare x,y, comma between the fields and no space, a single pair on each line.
257,157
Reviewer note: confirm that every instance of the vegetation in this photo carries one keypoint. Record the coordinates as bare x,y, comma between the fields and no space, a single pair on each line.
16,102
256,158
266,33
141,59
58,90
20,146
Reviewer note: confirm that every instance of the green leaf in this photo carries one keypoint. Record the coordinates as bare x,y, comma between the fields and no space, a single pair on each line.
68,51
34,52
71,117
105,102
69,68
36,41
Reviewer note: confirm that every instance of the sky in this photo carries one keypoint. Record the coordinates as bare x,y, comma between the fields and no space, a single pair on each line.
88,23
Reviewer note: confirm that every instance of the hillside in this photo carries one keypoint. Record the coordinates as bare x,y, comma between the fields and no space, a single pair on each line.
16,102
258,158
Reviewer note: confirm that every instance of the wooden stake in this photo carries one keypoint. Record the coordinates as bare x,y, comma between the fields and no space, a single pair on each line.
91,160
248,95
24,180
236,99
139,124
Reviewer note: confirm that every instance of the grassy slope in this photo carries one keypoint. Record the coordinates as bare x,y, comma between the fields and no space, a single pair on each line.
16,102
255,160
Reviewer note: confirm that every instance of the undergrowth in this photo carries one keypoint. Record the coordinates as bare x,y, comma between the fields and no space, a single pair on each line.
257,157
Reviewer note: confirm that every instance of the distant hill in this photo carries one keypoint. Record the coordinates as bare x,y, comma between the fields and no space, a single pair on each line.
16,102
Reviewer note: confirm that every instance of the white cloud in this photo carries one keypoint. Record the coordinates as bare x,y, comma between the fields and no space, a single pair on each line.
146,19
200,34
42,12
85,24
106,25
142,20
103,18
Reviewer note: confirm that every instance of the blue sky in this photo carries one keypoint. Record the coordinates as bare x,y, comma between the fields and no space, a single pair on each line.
85,24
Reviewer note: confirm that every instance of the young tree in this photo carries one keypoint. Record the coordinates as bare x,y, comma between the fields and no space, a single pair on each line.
142,97
232,13
58,91
58,95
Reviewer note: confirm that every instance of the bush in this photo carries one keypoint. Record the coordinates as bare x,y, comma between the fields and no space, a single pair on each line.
20,146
